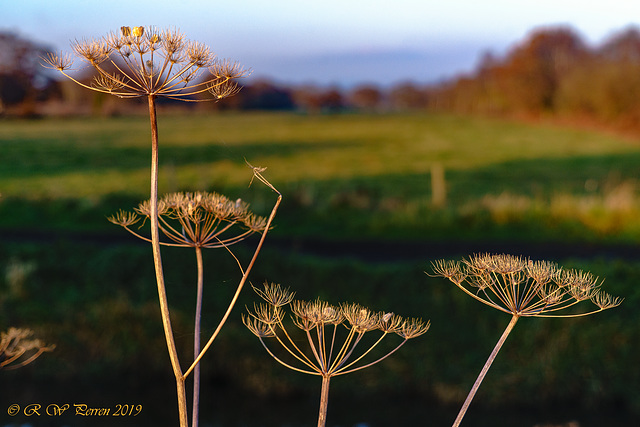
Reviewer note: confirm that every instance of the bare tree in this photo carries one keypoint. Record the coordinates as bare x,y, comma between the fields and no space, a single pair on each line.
22,79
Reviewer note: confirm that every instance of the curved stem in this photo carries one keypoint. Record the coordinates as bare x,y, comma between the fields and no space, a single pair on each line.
157,261
245,275
196,339
485,369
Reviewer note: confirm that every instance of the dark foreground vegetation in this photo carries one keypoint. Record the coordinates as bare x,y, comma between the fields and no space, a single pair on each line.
359,223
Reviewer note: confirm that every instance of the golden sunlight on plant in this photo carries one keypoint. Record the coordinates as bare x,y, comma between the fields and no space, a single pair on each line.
148,62
327,356
202,220
197,219
143,61
522,288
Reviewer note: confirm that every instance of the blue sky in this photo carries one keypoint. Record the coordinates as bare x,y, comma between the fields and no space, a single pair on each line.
343,42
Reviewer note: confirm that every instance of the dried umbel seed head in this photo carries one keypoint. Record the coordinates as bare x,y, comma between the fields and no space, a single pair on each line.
152,62
60,62
110,84
523,287
200,219
312,314
268,314
450,270
124,219
258,327
321,312
412,328
274,294
333,349
360,318
390,323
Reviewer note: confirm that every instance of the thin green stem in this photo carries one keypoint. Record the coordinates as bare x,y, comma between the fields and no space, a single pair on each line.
485,369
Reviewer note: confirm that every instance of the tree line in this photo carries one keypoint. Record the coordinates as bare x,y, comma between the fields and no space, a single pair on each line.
27,88
552,71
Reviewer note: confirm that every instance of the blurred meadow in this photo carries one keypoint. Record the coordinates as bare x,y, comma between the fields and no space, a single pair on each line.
359,222
374,169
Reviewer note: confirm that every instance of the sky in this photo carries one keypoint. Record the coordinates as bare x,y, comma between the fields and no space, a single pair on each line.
329,42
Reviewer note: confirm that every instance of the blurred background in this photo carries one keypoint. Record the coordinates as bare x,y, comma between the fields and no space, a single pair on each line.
398,135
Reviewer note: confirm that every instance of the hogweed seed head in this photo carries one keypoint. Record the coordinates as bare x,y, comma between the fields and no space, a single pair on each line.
361,319
60,62
605,301
413,328
152,62
390,323
224,90
200,219
450,270
258,327
319,321
312,314
274,294
110,84
542,272
322,313
268,314
124,219
523,287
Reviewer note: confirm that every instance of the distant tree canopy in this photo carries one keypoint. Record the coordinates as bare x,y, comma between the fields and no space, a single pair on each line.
552,71
22,79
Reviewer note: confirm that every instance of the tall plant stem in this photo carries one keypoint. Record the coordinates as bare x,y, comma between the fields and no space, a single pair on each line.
157,261
485,369
243,280
324,401
196,339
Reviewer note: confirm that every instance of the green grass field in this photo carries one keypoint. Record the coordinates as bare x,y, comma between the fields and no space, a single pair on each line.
363,174
343,178
63,158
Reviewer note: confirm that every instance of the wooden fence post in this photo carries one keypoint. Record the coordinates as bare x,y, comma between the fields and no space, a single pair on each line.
438,185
